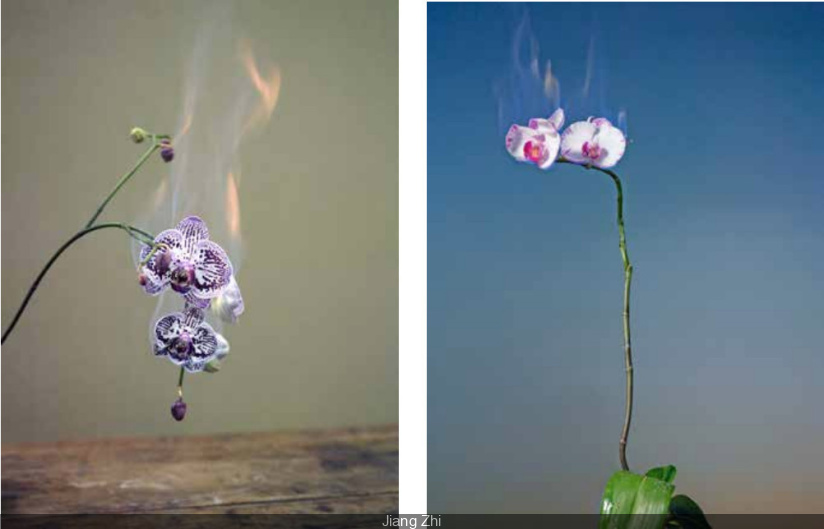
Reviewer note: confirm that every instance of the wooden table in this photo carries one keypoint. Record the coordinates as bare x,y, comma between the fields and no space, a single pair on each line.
313,472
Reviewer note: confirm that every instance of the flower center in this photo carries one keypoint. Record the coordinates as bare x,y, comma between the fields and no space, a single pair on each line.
182,278
533,151
592,151
181,347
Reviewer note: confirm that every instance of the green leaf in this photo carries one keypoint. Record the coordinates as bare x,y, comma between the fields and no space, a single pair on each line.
632,501
652,502
666,473
619,497
685,513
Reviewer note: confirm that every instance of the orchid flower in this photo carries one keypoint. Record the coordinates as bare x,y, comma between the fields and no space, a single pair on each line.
188,261
593,142
229,305
539,142
186,339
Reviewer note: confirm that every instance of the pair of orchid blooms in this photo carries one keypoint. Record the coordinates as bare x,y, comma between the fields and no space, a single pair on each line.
185,260
594,142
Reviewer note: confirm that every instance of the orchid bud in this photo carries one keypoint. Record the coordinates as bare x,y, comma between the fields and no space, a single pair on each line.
138,135
179,409
166,150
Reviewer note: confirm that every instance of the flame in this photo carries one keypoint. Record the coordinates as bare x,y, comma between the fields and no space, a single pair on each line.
187,124
232,206
268,87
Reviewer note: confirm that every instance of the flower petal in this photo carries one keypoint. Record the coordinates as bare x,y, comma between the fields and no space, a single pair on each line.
212,269
229,305
557,119
157,269
613,143
516,138
168,328
552,143
193,318
194,230
552,124
222,347
574,138
195,365
193,301
204,342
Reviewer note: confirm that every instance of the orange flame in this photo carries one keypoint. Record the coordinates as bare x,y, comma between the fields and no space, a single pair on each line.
232,206
268,87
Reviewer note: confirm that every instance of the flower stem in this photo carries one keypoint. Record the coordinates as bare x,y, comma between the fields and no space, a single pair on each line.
133,232
123,180
180,383
622,245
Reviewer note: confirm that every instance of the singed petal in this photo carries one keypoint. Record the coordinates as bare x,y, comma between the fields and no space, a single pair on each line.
229,305
204,342
613,144
222,347
168,328
194,230
574,138
557,119
212,269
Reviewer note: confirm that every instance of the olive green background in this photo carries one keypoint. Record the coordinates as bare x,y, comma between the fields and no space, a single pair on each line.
317,346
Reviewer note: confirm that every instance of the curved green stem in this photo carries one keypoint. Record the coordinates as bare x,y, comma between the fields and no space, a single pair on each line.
622,245
133,232
123,180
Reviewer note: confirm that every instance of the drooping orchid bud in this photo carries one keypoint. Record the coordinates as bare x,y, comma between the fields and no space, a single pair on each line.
179,409
167,152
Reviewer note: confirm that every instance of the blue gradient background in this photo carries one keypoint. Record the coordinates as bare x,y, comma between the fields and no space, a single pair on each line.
724,203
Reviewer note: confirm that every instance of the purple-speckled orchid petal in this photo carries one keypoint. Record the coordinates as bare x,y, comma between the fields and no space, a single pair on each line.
574,138
205,343
195,365
168,328
158,268
193,301
193,318
149,285
527,144
212,269
613,144
229,305
194,230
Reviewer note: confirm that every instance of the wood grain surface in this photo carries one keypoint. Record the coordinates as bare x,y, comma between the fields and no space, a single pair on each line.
312,472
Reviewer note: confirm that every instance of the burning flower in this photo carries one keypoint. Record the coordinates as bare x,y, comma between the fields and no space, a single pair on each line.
539,142
185,259
185,339
593,142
